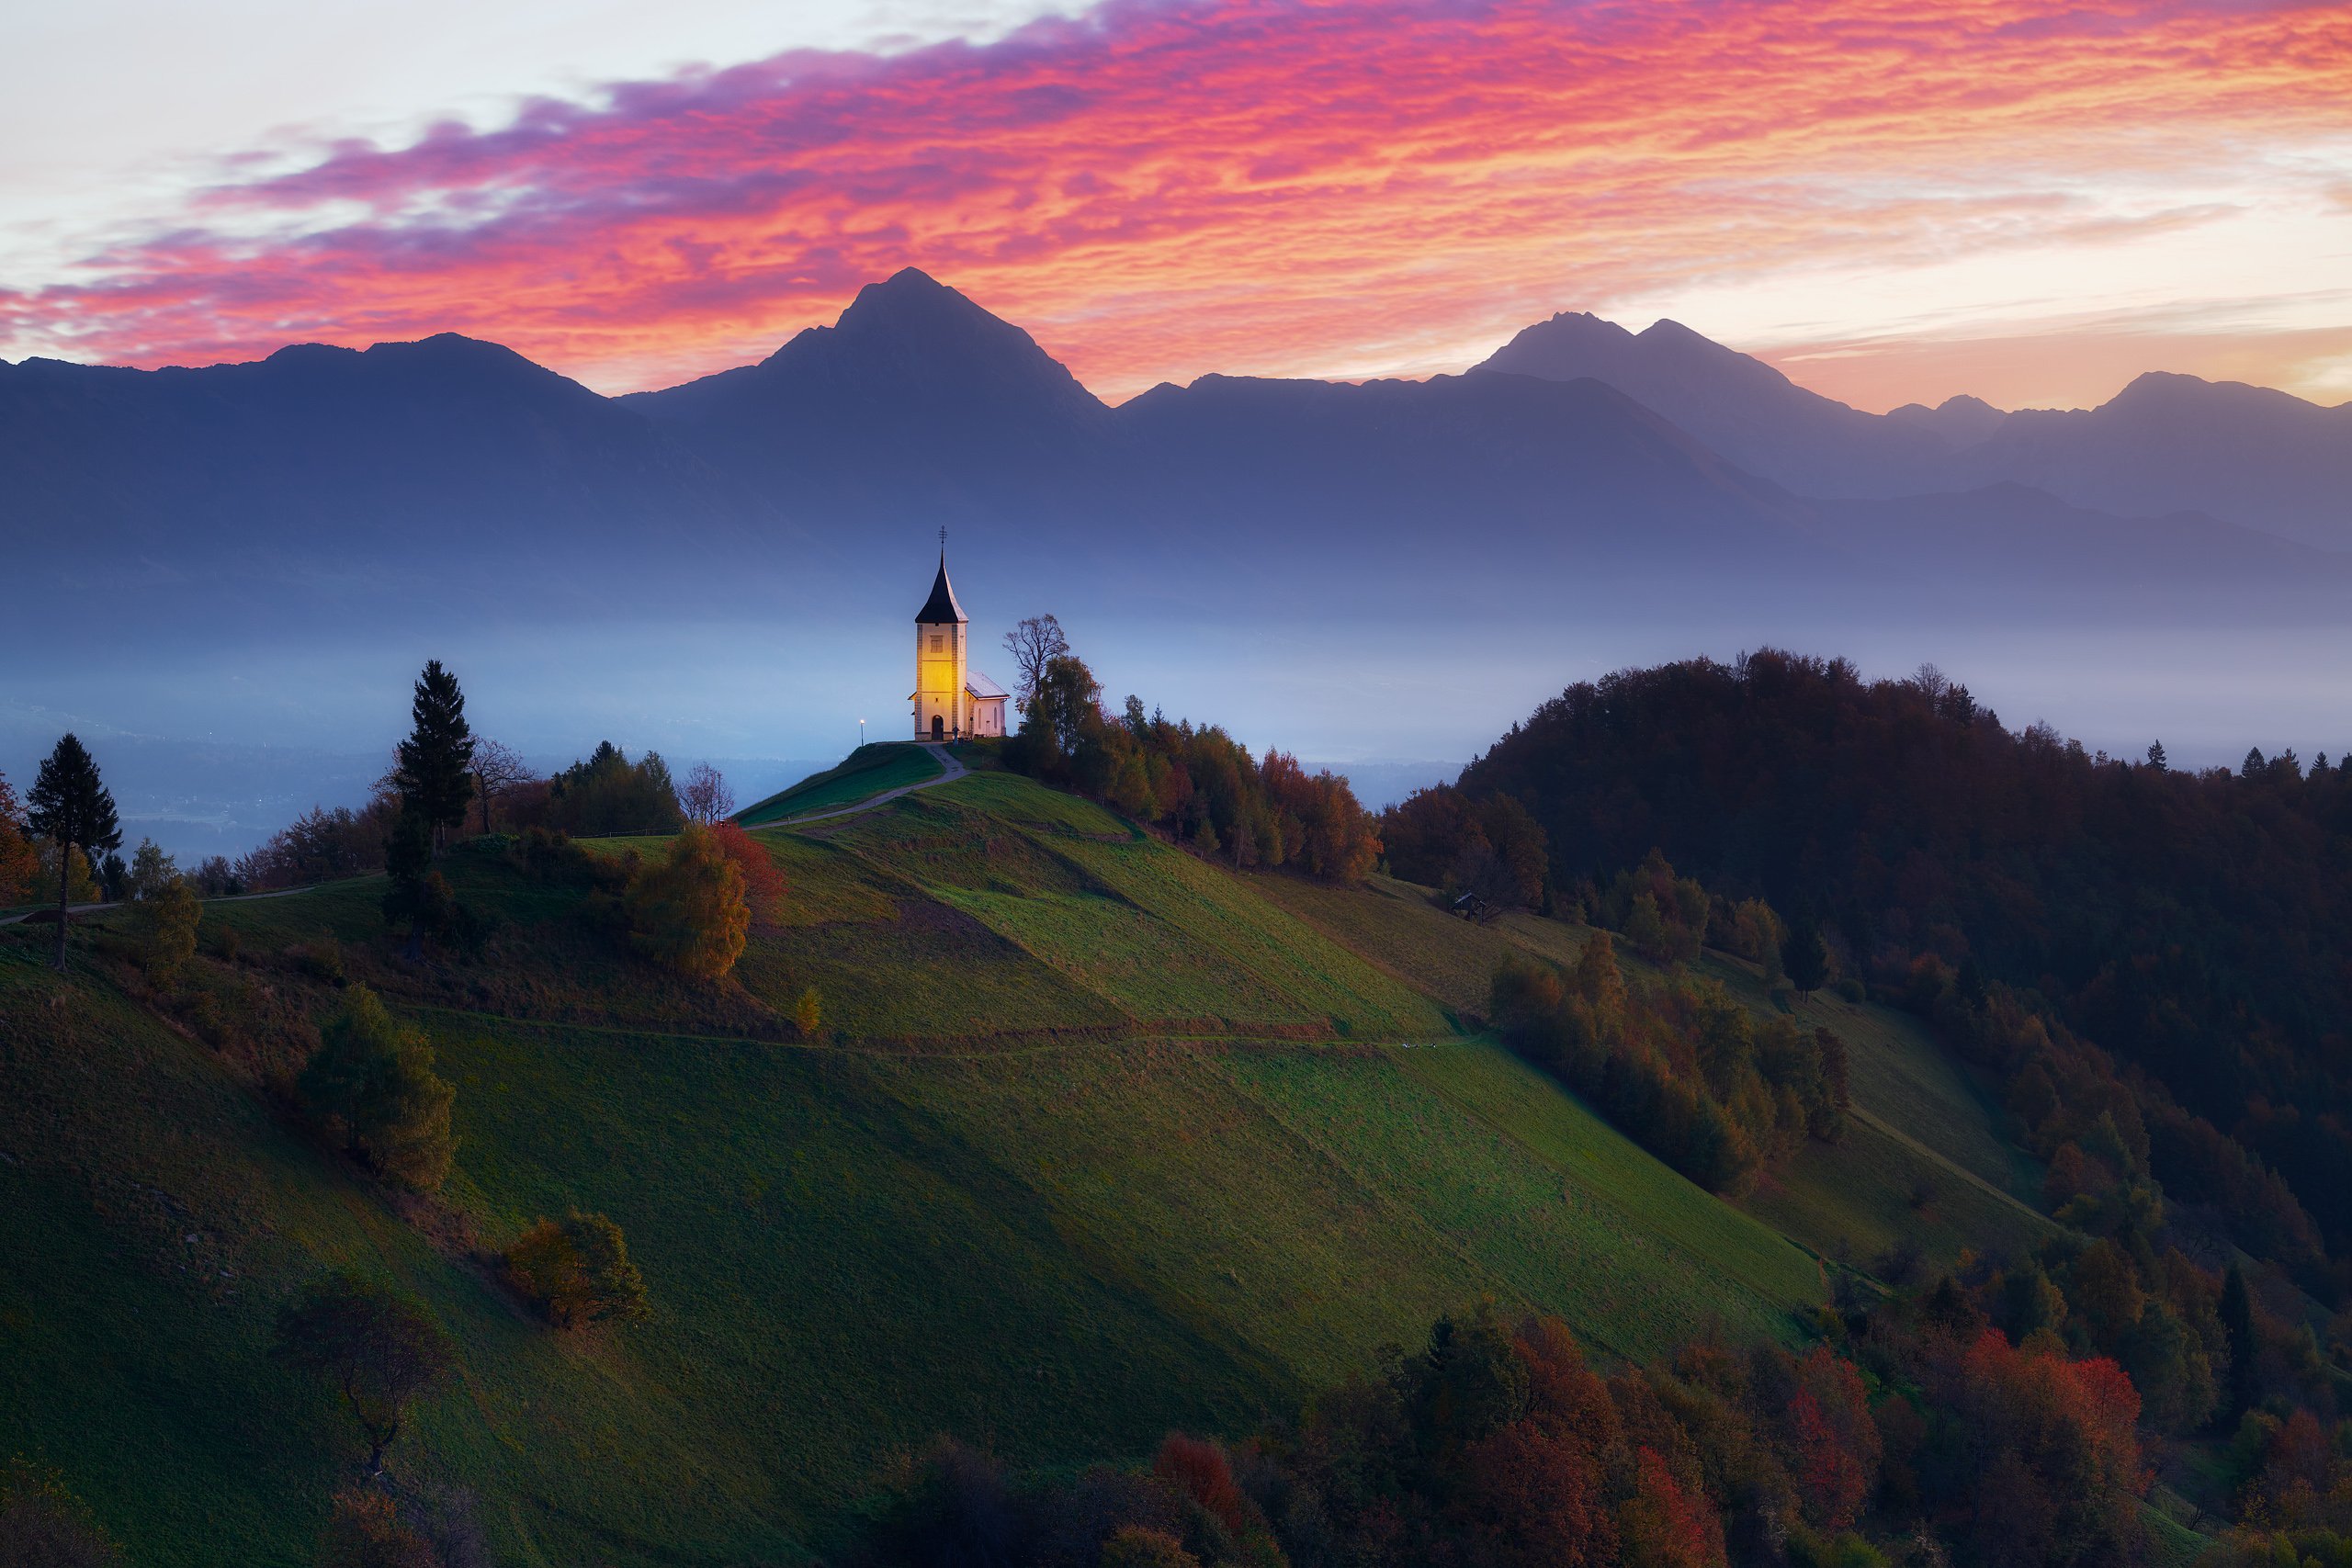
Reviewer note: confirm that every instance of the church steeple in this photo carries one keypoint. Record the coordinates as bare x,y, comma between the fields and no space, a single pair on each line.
941,609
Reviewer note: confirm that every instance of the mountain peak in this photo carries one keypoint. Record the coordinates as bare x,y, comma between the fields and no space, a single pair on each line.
913,338
912,348
1962,421
1742,407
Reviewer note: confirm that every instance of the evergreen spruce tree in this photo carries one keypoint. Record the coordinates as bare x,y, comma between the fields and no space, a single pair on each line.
435,776
71,807
2238,1332
1805,957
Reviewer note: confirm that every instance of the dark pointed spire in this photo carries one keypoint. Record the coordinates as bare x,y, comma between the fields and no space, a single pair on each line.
941,608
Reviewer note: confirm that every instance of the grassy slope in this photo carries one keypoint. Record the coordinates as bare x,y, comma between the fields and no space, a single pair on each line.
1922,1126
1001,1196
868,770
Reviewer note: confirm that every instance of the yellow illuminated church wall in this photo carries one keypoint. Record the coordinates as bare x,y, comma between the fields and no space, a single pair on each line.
940,654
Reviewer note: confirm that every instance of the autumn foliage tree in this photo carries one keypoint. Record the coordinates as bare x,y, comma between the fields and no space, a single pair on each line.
1832,1444
686,911
1194,782
19,863
163,923
763,886
578,1270
373,1081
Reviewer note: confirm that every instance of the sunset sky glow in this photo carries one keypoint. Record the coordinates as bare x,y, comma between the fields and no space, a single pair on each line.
1891,201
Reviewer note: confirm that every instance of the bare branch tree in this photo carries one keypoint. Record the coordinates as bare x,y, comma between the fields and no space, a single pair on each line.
1034,644
497,769
705,797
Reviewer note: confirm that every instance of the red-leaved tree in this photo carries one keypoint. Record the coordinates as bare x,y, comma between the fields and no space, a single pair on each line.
762,880
1834,1443
1665,1525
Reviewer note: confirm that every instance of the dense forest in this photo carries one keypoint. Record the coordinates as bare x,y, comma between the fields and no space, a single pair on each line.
1951,1416
2150,964
2186,935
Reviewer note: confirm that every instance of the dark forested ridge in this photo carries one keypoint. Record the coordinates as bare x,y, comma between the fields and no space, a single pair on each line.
2197,926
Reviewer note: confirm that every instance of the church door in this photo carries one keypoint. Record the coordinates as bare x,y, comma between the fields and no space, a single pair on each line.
938,727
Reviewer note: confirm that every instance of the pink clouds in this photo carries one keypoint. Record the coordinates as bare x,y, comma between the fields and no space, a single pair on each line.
1158,191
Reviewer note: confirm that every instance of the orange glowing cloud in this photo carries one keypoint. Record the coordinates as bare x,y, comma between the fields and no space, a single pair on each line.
1289,186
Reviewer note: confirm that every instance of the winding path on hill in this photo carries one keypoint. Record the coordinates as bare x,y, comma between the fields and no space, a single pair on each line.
950,771
99,909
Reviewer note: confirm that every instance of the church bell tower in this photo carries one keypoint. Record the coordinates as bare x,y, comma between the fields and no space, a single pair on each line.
942,631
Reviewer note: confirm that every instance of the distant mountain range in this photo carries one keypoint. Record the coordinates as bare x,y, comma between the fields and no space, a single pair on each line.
2166,443
1580,457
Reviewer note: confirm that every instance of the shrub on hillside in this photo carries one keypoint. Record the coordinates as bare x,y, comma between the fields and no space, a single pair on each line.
164,924
44,1524
577,1270
321,958
1139,1546
687,912
366,1531
543,855
372,1081
808,1012
420,896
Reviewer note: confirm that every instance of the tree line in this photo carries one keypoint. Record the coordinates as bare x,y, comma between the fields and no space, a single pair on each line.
1913,1426
1683,1070
1193,783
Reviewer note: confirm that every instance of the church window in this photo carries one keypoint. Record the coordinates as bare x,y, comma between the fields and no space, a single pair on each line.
938,643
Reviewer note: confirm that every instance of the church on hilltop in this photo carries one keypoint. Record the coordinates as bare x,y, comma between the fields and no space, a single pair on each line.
952,700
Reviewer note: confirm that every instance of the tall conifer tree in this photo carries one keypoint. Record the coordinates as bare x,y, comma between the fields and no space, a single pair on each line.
434,776
2237,1331
71,807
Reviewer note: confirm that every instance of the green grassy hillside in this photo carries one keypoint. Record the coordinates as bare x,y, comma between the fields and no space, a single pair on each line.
1097,1139
868,770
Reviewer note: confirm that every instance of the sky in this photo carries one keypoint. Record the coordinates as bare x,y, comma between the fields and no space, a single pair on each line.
1893,202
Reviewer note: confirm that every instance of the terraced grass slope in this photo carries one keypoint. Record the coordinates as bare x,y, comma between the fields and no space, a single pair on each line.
1097,1139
